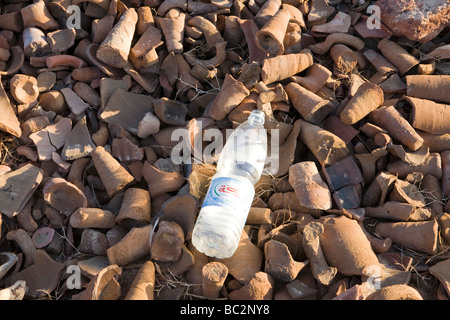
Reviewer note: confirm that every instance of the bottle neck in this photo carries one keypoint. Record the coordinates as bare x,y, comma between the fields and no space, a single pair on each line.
256,118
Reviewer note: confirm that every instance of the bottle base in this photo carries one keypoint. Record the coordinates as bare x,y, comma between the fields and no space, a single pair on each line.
218,239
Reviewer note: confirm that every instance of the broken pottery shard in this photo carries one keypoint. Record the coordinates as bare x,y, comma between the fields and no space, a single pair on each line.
103,286
24,88
41,277
343,173
259,287
134,246
16,188
43,237
114,177
441,271
38,15
8,121
345,246
340,23
125,150
170,112
75,103
79,143
159,181
51,138
181,209
279,262
148,125
312,192
63,196
7,261
127,109
419,20
115,48
421,236
167,242
246,261
61,40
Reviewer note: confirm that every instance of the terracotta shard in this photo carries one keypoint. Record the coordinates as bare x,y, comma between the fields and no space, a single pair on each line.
8,121
127,109
170,112
441,271
61,40
79,143
111,172
135,245
16,188
63,195
41,277
75,103
125,150
181,209
51,138
160,182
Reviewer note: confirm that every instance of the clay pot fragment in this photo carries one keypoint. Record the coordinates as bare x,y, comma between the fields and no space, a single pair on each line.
92,218
343,173
320,142
37,14
170,112
431,87
21,185
405,191
367,98
159,181
41,277
57,191
345,246
114,177
133,246
313,250
391,210
397,126
420,236
14,292
398,56
259,287
126,108
429,116
135,208
213,278
283,66
167,242
441,271
103,286
340,23
313,108
334,38
304,176
279,262
270,37
230,96
79,143
7,261
395,292
115,48
24,88
8,122
143,285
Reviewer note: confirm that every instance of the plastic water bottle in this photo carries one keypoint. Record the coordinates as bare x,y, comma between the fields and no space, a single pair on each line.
226,205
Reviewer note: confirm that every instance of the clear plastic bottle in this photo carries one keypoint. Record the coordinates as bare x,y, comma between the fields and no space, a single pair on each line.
226,205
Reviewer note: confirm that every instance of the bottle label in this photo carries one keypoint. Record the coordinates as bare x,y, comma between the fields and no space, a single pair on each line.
231,194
